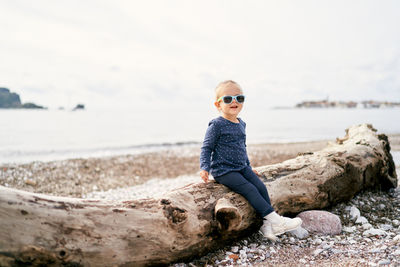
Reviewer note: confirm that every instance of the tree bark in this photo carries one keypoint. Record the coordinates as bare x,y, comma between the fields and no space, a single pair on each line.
188,222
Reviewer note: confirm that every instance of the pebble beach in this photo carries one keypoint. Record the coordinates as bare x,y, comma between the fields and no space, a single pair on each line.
373,240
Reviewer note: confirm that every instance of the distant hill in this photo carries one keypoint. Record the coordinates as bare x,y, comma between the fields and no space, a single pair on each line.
12,100
348,104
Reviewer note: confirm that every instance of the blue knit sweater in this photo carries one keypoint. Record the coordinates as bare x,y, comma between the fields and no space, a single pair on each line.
224,147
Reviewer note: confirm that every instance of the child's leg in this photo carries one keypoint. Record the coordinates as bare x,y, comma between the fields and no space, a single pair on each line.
274,224
255,180
237,183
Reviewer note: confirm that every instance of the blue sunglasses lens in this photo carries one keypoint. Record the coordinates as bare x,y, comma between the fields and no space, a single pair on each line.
228,99
240,98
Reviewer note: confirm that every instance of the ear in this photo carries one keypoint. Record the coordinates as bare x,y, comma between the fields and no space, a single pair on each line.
217,104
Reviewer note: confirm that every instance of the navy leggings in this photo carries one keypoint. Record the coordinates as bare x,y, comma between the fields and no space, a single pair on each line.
247,183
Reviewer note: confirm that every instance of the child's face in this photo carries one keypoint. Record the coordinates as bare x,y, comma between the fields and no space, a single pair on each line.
232,110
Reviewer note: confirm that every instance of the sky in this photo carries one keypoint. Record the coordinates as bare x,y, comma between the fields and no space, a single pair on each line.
172,54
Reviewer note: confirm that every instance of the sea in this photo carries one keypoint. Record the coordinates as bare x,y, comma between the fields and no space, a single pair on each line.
47,135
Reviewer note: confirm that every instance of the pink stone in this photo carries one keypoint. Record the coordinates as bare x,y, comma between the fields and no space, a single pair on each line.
321,222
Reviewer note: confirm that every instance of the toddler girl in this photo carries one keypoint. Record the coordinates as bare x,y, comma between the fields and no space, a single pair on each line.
224,155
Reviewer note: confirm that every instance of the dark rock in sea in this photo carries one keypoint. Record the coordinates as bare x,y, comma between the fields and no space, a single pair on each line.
12,100
31,106
8,99
79,107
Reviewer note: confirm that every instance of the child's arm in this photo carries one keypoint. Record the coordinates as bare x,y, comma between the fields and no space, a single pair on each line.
208,147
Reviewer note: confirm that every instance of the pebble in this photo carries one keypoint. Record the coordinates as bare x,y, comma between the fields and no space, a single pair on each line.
384,262
317,251
354,213
361,220
300,233
320,222
374,232
349,229
385,227
367,226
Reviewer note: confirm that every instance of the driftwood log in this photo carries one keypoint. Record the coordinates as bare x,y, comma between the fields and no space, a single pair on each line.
188,222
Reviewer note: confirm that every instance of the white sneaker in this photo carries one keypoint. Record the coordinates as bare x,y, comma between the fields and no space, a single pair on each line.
266,231
285,224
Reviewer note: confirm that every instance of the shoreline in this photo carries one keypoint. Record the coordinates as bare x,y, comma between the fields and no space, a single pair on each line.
80,176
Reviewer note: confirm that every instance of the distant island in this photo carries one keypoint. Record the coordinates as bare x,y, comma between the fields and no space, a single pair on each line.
12,100
79,107
348,104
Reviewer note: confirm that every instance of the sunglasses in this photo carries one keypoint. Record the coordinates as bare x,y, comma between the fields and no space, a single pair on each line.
229,98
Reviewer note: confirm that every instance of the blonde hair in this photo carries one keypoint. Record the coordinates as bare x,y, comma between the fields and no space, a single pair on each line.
223,85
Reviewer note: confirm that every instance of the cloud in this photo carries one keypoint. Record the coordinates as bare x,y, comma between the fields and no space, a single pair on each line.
156,53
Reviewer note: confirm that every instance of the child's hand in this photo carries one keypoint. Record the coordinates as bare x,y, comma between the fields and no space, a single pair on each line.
256,172
204,175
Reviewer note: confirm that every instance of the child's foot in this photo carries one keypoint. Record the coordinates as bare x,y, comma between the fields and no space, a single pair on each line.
266,231
285,224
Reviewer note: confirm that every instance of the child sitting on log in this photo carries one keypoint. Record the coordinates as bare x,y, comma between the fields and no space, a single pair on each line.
224,155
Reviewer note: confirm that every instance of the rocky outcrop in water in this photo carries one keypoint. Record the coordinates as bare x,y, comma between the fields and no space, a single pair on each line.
12,100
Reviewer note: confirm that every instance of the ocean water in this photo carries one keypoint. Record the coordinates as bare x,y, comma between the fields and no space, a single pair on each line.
43,135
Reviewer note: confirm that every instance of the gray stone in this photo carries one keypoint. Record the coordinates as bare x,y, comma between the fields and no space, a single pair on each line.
321,222
375,250
337,251
317,251
366,226
352,241
318,241
366,208
349,229
354,213
300,233
235,249
361,220
374,232
381,206
384,262
386,227
243,255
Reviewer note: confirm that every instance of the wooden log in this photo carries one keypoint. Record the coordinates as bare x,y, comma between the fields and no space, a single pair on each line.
46,230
